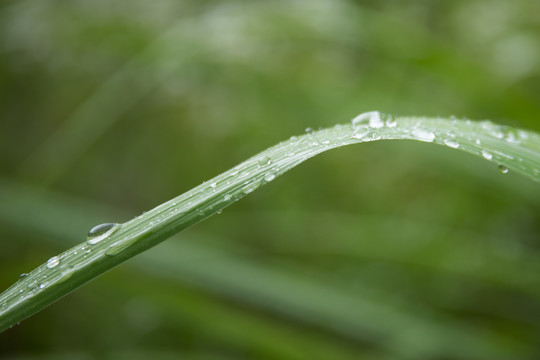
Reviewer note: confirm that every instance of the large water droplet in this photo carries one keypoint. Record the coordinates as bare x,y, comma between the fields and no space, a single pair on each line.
423,135
487,155
503,169
372,119
54,261
264,161
101,232
451,143
100,229
375,121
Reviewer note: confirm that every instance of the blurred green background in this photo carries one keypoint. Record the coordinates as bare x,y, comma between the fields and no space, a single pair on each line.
388,250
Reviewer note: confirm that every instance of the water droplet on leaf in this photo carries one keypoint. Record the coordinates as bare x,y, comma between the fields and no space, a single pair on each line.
101,232
451,143
503,169
372,119
487,155
264,161
375,136
391,122
54,261
249,187
269,177
360,132
23,275
100,229
423,135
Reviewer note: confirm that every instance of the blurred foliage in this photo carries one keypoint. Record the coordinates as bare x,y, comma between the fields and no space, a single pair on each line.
380,251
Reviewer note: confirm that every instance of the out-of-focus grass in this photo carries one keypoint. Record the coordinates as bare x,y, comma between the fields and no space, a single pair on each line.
366,314
240,76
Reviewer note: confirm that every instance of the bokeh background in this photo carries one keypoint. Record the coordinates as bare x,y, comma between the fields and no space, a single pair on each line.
386,250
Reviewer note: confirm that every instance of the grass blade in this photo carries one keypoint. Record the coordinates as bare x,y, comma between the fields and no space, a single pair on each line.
511,148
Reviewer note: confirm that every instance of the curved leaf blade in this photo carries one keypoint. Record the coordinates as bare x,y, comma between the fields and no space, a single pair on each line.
511,148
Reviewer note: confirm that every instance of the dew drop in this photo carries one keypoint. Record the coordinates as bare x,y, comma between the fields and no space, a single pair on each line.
360,132
42,285
375,121
250,187
23,275
101,232
309,130
293,139
54,261
512,138
372,119
375,136
451,143
503,169
264,161
227,197
523,134
423,135
100,229
391,122
269,177
219,212
493,130
487,155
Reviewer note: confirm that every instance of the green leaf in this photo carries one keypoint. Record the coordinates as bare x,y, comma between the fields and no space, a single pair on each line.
511,149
